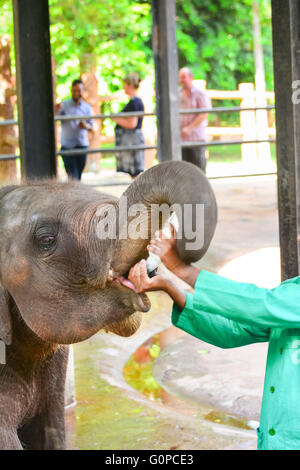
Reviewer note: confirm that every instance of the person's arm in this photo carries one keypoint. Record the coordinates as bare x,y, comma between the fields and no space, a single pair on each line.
241,302
127,123
213,329
59,109
247,303
87,124
187,130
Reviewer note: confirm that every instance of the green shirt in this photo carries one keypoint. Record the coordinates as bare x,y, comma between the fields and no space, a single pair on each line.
230,314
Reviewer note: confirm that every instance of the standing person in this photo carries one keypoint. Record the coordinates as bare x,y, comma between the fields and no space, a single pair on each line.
74,134
192,126
231,314
128,131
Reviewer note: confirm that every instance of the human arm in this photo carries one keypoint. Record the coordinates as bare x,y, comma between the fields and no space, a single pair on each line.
87,124
126,122
246,303
208,327
187,130
241,302
130,122
57,108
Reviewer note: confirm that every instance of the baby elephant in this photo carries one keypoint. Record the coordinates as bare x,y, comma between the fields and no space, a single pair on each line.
64,277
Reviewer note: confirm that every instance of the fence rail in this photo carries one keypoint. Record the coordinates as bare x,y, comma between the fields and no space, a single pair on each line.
102,116
224,109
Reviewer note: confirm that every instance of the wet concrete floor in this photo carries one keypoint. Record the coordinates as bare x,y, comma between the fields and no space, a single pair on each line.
182,393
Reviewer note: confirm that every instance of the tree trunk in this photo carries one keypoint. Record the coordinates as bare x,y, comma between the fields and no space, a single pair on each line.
8,135
263,149
88,76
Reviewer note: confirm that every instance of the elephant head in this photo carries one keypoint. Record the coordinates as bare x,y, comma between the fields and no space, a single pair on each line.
66,276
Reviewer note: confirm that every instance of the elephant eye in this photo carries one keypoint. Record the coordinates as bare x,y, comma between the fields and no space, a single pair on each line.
45,233
46,243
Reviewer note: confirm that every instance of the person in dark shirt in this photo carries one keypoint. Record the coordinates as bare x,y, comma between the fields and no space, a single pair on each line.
128,131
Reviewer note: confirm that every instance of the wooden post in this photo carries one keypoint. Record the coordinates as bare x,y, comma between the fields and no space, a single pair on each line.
286,59
262,131
34,88
201,84
146,93
166,79
90,81
247,119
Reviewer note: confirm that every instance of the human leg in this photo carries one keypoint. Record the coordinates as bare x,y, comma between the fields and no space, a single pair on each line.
195,155
70,164
80,163
138,155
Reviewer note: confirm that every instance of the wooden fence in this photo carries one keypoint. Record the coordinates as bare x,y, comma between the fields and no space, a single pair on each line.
253,124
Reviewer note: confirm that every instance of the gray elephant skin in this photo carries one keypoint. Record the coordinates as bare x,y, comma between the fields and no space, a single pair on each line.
61,283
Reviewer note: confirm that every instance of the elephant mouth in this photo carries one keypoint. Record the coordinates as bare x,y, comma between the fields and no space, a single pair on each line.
125,282
142,303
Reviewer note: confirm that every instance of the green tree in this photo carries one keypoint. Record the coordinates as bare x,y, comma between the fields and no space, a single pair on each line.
111,34
215,39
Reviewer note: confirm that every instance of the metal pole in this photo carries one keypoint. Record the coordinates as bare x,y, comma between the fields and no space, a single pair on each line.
295,44
34,88
285,26
285,22
166,80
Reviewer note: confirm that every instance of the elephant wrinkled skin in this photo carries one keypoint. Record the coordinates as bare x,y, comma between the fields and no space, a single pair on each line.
61,283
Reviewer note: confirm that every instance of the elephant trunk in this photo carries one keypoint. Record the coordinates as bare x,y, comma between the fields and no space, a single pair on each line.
180,186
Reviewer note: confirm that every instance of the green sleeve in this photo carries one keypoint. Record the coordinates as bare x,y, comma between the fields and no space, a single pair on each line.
247,303
215,329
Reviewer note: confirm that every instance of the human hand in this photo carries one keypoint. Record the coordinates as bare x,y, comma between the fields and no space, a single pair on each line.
142,282
82,125
57,107
166,249
185,132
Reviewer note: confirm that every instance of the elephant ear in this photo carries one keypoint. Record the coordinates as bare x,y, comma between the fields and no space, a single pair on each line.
5,317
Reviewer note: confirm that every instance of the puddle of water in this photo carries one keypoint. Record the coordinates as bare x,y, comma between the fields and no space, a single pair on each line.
103,417
138,373
230,420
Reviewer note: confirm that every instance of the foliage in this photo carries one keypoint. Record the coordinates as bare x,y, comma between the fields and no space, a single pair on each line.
6,21
214,38
112,35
